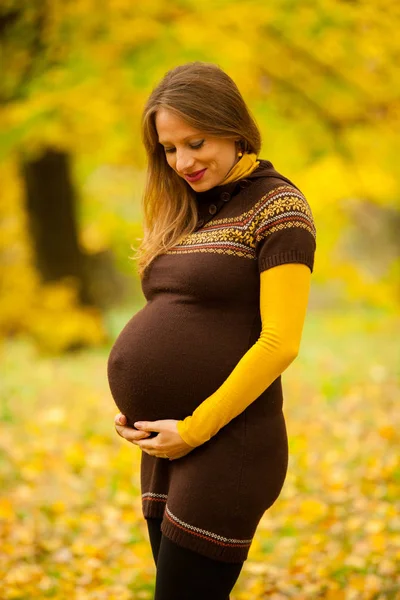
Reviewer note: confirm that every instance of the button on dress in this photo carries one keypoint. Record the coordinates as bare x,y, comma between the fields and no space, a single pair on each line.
201,316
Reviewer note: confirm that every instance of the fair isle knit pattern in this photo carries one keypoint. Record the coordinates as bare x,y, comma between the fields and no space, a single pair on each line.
282,208
155,497
203,533
196,531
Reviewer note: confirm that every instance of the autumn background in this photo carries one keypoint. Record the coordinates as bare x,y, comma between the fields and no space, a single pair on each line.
321,78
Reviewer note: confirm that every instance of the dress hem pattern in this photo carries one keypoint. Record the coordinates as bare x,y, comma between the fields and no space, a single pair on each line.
194,538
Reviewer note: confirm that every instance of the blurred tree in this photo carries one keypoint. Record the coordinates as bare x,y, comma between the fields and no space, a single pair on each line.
320,77
50,203
48,188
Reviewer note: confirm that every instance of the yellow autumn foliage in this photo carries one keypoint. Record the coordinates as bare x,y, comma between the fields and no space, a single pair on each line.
321,79
49,313
71,523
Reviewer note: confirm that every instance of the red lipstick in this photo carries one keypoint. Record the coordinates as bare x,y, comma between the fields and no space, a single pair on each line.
196,176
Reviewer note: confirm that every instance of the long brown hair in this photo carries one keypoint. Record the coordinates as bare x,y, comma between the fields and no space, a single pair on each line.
207,99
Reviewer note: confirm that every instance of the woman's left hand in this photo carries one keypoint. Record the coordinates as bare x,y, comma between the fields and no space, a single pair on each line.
167,444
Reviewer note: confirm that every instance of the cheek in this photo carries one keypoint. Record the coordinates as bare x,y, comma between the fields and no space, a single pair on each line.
212,160
221,159
170,160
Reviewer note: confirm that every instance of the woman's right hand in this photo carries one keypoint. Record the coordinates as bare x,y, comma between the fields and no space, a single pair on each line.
128,433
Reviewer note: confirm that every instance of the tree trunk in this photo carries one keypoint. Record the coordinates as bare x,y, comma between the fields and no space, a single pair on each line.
51,208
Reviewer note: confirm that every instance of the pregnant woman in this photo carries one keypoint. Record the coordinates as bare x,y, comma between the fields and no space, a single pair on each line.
225,266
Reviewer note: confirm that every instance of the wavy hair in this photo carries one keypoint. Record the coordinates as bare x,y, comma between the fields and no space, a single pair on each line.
204,96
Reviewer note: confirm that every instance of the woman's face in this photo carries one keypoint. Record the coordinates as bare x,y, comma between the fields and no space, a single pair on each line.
189,151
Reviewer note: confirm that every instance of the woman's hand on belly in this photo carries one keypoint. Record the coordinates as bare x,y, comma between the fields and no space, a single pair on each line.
167,444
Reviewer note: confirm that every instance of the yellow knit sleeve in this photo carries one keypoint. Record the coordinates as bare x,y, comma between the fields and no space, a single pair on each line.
284,292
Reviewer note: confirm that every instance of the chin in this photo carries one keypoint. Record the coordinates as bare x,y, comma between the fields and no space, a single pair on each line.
201,187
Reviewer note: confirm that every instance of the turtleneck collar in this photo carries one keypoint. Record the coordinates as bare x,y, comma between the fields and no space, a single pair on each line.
210,202
243,168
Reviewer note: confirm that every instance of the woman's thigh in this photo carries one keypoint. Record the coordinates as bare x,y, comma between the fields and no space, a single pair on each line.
183,574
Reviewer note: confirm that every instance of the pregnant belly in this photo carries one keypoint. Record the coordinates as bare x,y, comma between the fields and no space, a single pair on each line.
167,360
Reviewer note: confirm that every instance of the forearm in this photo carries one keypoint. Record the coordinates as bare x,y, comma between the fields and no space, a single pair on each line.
253,374
283,302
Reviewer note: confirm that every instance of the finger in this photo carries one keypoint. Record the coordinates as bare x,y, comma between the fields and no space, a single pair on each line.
130,434
120,419
140,436
124,430
148,425
149,445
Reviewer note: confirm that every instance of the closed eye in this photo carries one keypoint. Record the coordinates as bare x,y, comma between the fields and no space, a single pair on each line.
197,146
193,146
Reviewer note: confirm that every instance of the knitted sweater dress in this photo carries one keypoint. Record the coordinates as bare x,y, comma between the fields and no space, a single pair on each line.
202,315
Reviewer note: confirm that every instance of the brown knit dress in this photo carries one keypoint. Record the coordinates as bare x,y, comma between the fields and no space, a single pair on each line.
202,315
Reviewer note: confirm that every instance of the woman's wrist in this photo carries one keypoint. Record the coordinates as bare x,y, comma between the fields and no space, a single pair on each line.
182,430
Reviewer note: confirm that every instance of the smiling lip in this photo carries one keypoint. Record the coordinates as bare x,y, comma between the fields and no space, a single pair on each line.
196,175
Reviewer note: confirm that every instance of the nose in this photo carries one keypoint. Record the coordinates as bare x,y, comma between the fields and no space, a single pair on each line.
184,161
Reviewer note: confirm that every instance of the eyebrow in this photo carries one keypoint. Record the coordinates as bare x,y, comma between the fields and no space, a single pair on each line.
163,142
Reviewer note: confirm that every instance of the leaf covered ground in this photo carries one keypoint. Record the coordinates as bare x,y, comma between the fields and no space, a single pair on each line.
70,514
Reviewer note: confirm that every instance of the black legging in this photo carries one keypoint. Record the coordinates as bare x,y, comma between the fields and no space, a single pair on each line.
183,574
